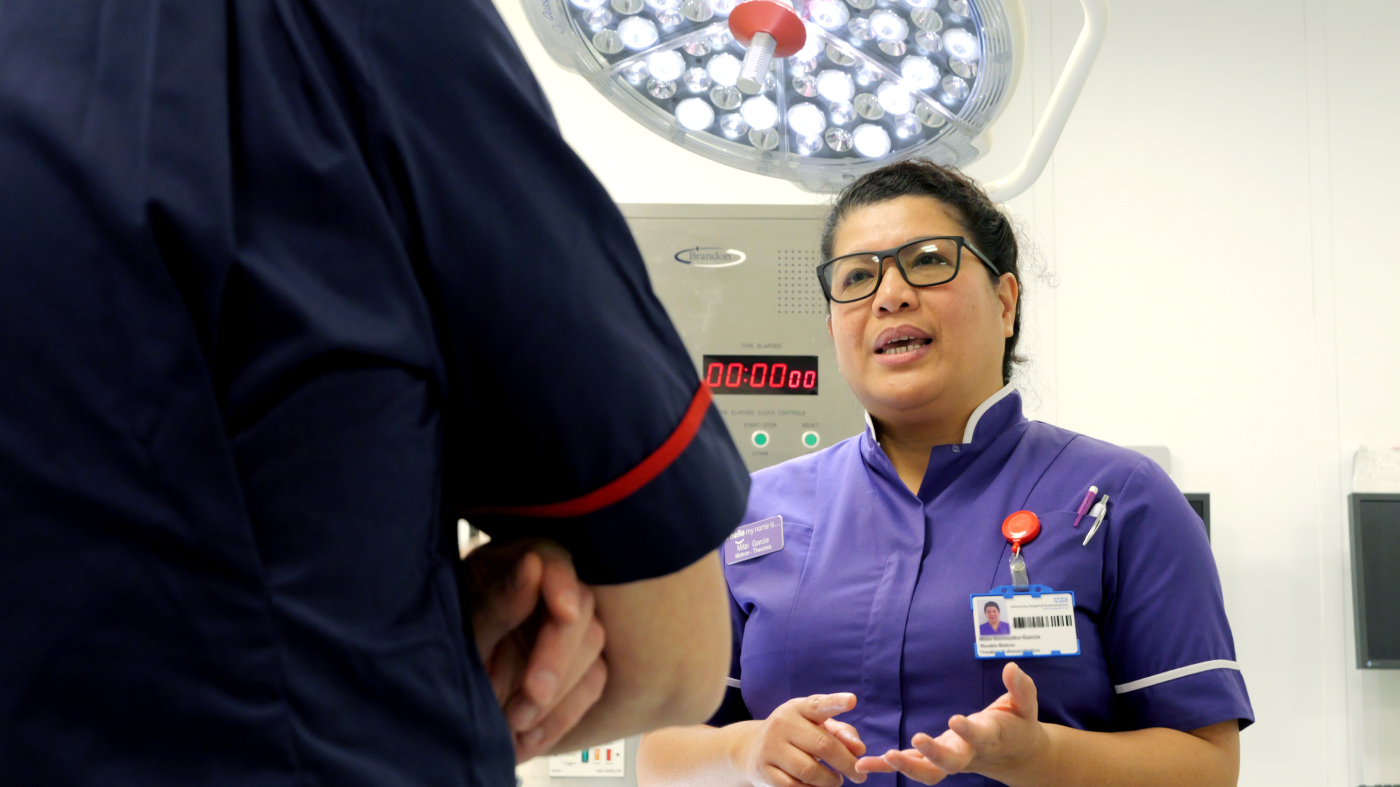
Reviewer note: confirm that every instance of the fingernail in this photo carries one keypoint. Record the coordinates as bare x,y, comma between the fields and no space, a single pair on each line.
523,715
543,684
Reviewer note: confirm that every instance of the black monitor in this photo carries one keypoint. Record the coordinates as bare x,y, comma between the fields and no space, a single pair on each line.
1200,503
1375,576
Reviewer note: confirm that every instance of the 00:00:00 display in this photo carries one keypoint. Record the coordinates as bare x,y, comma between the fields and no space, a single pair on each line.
733,376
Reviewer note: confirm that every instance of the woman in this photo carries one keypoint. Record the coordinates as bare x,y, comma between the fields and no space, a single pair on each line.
864,613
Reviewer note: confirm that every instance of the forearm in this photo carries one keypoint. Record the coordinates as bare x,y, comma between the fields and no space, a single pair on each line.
667,654
1156,757
697,756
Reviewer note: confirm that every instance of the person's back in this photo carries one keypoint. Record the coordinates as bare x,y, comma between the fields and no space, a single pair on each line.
258,323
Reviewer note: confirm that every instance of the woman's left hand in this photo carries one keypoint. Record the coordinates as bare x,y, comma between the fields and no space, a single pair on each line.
1002,741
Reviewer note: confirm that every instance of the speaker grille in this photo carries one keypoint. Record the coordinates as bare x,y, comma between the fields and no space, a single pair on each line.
798,289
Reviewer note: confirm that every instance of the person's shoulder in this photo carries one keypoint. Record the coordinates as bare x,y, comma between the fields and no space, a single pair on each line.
795,485
1101,455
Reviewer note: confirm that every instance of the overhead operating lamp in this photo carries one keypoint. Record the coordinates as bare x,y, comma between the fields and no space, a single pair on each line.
819,91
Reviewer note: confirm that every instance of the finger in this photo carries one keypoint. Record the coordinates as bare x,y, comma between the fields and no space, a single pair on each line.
562,653
847,735
560,586
950,752
873,765
504,603
1025,699
914,766
820,707
803,767
561,656
823,745
565,714
773,776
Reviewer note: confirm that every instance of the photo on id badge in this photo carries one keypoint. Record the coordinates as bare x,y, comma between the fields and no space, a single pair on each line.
1034,624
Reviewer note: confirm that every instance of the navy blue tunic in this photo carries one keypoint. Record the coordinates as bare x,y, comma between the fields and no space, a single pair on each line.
287,286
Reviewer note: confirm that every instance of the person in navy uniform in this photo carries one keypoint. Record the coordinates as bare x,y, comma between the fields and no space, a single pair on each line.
287,287
888,534
995,626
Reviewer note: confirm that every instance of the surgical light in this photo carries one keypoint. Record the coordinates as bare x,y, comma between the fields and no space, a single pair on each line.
817,91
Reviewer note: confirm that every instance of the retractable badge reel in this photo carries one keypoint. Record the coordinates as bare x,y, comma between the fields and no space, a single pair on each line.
1022,620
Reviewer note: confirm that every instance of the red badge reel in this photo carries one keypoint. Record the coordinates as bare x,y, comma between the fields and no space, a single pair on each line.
768,28
1020,529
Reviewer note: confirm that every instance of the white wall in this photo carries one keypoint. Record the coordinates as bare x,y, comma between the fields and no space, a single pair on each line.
1221,218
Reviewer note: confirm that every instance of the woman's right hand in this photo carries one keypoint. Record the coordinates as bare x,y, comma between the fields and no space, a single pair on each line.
788,748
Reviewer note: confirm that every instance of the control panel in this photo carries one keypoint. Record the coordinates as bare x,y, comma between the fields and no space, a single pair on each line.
740,284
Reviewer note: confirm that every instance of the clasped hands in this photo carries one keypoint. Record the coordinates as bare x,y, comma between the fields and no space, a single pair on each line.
801,744
538,637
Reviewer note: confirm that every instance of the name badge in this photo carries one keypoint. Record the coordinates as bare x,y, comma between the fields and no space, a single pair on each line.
1034,622
755,540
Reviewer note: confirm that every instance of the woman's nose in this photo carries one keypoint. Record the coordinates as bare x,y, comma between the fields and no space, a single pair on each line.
894,294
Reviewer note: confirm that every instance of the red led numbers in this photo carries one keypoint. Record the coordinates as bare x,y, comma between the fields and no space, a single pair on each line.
760,375
794,379
778,377
734,376
809,379
714,375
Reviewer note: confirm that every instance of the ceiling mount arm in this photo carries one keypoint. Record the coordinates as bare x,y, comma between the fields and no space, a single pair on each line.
1062,101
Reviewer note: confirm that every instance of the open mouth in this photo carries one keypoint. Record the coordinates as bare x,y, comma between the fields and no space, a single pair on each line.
901,345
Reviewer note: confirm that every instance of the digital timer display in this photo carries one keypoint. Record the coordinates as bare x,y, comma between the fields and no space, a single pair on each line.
761,374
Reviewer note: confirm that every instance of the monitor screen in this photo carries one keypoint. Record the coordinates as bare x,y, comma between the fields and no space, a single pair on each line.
1375,564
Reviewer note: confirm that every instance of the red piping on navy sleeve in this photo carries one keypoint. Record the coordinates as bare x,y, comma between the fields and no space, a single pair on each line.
627,483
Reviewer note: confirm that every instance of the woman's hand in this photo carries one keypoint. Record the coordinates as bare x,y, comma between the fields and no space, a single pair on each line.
788,748
1001,741
538,638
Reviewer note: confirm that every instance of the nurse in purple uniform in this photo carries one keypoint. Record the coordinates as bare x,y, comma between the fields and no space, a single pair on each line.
864,615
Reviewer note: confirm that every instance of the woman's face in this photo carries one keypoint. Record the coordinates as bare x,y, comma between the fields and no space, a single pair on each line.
993,616
958,330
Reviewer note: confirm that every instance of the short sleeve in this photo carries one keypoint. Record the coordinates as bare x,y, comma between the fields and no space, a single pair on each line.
733,708
573,411
1167,639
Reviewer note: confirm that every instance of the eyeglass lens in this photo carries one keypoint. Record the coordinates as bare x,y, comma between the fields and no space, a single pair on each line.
924,263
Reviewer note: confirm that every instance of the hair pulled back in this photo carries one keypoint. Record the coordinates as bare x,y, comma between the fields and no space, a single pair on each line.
989,228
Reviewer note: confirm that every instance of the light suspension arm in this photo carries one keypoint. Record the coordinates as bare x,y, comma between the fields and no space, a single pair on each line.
1057,112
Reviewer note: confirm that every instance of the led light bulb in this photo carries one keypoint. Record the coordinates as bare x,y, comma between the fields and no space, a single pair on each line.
830,14
871,141
961,44
759,113
895,99
919,71
666,66
806,120
662,5
811,48
888,26
637,33
955,87
835,86
723,7
724,69
589,5
695,114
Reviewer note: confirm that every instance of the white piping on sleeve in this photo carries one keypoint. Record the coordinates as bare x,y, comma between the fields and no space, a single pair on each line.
1173,674
731,683
982,410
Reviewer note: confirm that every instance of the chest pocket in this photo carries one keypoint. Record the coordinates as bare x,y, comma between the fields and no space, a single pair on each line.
1058,558
765,589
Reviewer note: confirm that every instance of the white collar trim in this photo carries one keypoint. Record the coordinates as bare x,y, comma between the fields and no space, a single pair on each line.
982,410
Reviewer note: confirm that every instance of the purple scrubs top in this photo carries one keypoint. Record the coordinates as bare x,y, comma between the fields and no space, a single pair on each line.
871,592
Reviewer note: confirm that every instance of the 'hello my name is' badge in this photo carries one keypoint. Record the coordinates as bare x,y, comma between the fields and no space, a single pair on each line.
755,540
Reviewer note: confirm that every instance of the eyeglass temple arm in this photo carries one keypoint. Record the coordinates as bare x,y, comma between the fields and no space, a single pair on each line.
1062,101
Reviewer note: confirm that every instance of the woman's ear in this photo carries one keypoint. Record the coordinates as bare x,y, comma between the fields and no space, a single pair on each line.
828,326
1008,292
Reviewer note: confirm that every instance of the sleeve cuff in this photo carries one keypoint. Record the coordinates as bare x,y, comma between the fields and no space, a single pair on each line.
1184,703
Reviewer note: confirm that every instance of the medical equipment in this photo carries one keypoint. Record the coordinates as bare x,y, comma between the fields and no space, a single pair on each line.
872,81
1375,566
740,284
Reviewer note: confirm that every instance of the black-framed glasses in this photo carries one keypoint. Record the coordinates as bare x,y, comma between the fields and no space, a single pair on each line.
926,262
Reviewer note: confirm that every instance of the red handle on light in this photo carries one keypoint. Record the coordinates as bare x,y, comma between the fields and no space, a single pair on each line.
777,19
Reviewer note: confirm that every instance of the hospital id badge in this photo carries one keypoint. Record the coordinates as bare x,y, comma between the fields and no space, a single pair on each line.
1034,622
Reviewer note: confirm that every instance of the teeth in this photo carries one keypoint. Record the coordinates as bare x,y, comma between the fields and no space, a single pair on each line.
900,350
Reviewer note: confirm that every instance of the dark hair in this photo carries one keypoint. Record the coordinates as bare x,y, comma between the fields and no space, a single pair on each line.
989,228
990,605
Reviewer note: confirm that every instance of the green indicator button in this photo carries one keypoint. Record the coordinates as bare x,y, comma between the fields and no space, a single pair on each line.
760,438
810,439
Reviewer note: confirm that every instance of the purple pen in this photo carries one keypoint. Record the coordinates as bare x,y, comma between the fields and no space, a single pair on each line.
1084,506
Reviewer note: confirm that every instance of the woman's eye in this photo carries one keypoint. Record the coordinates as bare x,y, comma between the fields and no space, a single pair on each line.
855,277
929,259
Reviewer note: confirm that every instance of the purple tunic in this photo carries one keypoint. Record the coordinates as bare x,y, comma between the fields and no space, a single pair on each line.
870,593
